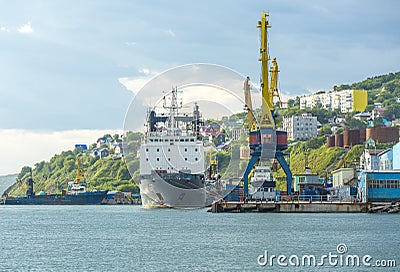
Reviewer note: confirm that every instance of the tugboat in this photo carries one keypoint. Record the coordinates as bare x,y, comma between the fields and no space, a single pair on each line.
75,195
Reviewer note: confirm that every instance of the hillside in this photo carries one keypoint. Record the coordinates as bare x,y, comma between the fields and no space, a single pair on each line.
6,181
110,173
321,160
383,89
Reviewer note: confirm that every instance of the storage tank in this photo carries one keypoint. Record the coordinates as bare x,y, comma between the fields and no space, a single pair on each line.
339,140
383,134
330,141
362,136
351,137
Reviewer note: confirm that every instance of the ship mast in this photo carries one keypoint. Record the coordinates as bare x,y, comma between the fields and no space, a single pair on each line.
173,108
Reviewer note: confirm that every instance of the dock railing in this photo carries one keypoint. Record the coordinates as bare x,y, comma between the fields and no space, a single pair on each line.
320,198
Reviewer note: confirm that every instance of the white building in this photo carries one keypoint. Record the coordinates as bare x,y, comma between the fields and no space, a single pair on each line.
343,176
300,127
237,132
369,159
346,100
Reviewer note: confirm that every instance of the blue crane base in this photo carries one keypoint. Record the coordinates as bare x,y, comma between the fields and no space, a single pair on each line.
282,161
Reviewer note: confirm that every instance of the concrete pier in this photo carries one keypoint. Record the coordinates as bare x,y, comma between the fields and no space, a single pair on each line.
289,207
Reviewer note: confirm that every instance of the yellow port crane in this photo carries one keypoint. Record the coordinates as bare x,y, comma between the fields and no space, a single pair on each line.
80,176
265,142
213,168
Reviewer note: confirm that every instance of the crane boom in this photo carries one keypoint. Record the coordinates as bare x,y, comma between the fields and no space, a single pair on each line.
266,120
80,176
249,106
273,90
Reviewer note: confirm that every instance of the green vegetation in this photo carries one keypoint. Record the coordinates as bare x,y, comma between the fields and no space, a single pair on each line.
110,173
312,154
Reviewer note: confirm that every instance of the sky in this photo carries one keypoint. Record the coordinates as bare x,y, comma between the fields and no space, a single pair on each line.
69,70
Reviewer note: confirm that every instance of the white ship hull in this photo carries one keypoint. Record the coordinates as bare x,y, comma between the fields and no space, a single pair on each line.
157,193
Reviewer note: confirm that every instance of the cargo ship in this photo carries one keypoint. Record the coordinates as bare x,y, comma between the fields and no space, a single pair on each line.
172,157
76,194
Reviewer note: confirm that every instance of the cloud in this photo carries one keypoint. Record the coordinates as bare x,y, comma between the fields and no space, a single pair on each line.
26,28
130,43
4,29
134,84
30,147
144,71
224,102
169,32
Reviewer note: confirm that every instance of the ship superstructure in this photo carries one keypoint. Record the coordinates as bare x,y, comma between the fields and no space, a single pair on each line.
172,157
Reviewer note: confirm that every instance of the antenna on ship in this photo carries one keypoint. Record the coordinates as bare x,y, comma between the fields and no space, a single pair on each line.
173,107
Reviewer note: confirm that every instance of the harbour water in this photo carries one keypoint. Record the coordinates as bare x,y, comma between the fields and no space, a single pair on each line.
129,238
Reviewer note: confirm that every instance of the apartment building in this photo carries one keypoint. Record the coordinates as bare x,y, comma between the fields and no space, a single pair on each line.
346,100
300,127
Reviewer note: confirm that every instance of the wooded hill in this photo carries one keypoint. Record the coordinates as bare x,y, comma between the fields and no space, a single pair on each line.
109,173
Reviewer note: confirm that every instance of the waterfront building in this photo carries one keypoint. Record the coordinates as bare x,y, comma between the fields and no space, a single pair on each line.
345,101
379,186
396,156
386,159
344,184
300,127
343,177
307,182
369,159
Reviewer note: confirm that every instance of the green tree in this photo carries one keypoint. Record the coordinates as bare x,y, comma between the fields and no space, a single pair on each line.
25,171
297,101
291,103
391,112
326,129
354,123
369,108
378,122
